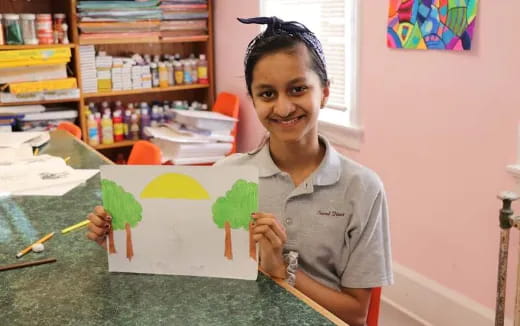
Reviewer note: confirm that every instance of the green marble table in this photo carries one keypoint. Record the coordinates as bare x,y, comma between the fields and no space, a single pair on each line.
79,290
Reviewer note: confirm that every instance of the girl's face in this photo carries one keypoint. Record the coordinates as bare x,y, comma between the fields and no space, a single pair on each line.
288,95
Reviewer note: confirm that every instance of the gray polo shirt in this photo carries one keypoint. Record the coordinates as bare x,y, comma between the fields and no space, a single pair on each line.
336,219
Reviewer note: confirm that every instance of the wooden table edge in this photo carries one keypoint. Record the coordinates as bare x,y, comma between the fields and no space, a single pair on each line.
313,304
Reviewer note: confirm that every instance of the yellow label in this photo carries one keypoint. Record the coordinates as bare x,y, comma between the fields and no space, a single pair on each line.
179,77
118,129
202,72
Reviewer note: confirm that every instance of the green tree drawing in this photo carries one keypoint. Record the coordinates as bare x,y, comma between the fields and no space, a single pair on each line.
125,210
233,211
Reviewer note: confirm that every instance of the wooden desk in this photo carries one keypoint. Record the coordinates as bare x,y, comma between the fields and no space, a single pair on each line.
79,290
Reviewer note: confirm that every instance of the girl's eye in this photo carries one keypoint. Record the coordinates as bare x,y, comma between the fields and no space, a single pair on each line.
267,94
298,89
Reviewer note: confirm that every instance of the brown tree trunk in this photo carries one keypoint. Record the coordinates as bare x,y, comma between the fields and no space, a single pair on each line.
111,244
129,246
252,243
228,252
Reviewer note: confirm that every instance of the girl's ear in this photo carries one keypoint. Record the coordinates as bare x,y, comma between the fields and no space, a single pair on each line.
325,95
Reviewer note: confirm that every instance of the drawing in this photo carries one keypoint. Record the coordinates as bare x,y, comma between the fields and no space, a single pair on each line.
174,186
125,210
234,211
178,217
431,24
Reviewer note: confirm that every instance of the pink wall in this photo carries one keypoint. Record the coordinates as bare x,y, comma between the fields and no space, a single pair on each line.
439,129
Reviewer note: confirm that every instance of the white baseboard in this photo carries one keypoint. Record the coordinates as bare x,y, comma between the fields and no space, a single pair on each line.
432,304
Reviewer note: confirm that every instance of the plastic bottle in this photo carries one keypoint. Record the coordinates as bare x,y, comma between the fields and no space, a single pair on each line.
145,120
155,74
93,131
179,73
108,132
187,72
97,117
156,117
118,126
202,70
127,121
13,30
134,127
163,75
194,73
171,74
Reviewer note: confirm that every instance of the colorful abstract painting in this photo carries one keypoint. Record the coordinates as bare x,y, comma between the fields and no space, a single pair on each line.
431,24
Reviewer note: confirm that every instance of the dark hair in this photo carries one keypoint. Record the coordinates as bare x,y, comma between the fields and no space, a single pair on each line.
279,36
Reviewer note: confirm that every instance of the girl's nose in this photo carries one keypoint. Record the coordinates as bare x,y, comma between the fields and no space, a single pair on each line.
284,107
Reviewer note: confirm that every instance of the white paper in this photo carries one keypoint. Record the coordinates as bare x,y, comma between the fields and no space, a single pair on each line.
38,174
9,155
15,139
179,236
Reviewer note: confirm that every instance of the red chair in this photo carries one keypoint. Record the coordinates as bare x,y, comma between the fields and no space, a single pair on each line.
145,153
373,307
71,128
228,104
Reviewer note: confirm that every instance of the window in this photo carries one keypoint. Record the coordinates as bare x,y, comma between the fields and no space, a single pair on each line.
334,23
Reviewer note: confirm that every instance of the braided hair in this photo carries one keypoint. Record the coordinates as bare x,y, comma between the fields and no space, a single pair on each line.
281,35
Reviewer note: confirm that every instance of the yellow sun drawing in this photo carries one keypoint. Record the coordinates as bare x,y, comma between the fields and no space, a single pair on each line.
175,186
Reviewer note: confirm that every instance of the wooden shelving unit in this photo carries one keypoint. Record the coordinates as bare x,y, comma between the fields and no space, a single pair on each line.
116,46
36,46
69,100
147,40
146,90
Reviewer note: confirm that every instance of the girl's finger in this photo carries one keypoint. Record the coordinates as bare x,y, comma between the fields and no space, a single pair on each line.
96,220
274,225
100,211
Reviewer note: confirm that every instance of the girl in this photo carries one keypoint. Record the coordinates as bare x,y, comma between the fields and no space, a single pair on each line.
323,224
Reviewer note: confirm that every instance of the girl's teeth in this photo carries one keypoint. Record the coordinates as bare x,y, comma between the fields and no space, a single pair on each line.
288,121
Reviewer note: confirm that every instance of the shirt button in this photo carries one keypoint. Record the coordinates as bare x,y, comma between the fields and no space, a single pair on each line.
288,221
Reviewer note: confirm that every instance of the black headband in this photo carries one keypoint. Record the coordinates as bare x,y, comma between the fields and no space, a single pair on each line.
277,26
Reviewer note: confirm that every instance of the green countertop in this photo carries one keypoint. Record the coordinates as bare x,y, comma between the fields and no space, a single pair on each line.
79,290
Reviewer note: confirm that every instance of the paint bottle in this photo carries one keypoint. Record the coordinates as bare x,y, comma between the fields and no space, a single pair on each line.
194,71
171,74
134,127
127,121
93,132
145,120
187,72
202,70
179,73
97,117
163,75
108,131
118,126
155,74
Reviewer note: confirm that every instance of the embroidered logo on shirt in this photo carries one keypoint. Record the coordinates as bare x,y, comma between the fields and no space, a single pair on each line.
330,213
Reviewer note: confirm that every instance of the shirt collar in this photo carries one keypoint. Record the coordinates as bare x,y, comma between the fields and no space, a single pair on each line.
328,172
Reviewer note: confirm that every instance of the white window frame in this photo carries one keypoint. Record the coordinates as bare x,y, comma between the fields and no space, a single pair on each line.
343,128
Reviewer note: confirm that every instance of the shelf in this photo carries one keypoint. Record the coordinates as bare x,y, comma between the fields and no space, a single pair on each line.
137,40
67,100
146,91
36,46
124,143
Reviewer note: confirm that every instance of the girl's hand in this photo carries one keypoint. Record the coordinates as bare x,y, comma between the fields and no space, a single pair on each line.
99,226
271,237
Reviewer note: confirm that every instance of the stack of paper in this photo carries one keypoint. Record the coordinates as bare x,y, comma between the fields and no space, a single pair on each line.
194,137
88,68
114,19
42,175
184,18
